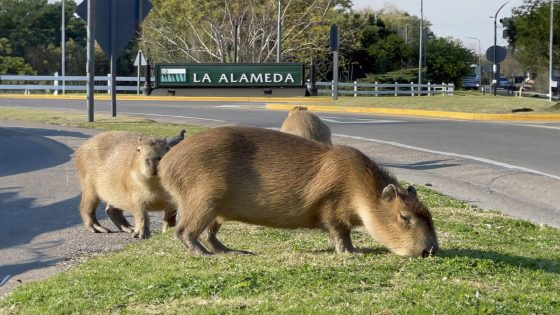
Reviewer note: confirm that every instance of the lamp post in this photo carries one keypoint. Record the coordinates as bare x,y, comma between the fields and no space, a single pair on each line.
279,34
62,48
494,65
550,50
421,44
479,64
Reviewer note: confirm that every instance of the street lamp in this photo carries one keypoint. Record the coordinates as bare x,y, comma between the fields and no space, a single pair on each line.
421,42
62,48
279,34
479,64
550,50
494,65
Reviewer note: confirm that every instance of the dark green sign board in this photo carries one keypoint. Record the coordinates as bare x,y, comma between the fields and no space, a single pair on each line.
230,75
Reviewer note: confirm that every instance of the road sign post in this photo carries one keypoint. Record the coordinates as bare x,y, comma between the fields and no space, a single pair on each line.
139,62
112,33
334,40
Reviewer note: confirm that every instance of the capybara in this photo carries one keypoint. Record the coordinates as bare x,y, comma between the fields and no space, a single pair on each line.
301,122
120,168
279,180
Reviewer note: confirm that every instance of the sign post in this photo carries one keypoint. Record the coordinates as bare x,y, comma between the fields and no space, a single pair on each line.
334,40
496,54
139,62
115,22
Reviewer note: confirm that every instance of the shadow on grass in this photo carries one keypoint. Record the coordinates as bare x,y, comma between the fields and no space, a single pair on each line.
544,264
362,250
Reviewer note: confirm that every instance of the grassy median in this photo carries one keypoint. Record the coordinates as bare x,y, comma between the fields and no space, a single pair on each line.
488,264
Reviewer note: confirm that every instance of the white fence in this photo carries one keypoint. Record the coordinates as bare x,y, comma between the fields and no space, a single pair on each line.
377,89
57,84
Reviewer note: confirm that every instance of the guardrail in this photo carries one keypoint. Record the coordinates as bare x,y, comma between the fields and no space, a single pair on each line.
56,84
395,89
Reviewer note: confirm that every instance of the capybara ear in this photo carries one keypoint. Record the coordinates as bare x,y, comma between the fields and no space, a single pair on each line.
389,192
298,108
411,191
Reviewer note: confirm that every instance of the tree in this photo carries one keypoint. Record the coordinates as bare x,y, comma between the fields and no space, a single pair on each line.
10,64
528,34
447,60
207,31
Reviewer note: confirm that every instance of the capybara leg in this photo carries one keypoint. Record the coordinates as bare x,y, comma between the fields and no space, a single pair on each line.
194,216
141,224
88,205
340,238
116,215
169,219
209,239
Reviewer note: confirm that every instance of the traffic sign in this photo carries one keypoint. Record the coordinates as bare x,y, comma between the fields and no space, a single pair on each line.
501,54
140,60
130,14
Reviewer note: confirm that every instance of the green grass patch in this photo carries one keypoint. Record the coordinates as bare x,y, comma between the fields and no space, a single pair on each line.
471,102
102,121
488,263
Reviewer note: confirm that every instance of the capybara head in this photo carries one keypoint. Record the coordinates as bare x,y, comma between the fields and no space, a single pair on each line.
296,109
409,229
149,152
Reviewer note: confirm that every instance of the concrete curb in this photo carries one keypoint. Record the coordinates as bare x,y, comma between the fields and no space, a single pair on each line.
424,113
124,97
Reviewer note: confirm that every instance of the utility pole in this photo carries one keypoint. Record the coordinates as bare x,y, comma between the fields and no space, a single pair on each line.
279,34
421,45
90,57
495,79
550,50
62,48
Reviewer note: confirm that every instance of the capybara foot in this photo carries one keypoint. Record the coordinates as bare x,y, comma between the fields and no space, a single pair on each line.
141,234
97,228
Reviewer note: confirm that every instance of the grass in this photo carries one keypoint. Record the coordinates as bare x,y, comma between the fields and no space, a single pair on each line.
472,102
488,264
102,121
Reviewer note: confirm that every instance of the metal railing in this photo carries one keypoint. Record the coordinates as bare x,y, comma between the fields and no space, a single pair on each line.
394,89
58,84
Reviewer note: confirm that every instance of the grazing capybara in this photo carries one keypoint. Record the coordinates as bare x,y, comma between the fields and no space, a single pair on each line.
303,123
275,179
120,168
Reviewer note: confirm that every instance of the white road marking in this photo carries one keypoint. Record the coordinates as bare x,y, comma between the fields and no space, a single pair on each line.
532,125
463,156
347,120
177,116
6,278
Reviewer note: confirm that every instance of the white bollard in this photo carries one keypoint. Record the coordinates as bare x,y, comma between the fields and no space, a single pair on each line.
376,89
355,88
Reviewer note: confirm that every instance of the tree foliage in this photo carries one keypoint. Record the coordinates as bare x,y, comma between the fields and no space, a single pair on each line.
528,33
221,31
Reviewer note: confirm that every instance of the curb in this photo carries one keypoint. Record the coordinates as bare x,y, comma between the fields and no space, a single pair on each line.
424,113
125,97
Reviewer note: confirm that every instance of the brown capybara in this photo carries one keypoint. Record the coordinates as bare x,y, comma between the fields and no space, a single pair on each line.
120,168
274,179
303,123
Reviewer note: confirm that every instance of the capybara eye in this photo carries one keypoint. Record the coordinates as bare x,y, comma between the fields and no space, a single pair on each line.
147,161
405,219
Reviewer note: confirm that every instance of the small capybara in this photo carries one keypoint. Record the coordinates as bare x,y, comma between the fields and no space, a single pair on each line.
279,180
120,168
301,122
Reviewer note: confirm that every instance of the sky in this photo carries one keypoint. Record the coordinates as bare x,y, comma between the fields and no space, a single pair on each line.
456,18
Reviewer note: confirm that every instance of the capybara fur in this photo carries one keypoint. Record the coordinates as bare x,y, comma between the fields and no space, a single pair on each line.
274,179
301,122
120,168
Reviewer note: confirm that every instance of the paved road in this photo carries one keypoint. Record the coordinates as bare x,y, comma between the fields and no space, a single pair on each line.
509,167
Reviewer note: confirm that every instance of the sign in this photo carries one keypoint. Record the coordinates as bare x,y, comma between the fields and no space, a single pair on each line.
130,14
140,60
334,38
501,54
230,75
